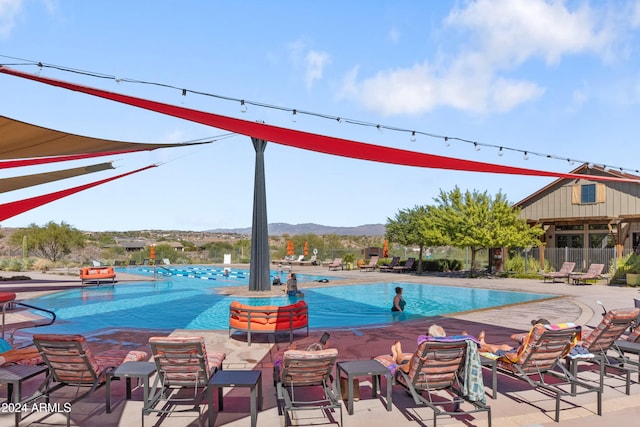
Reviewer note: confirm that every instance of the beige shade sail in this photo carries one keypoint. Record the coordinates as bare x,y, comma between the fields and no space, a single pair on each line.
19,140
19,182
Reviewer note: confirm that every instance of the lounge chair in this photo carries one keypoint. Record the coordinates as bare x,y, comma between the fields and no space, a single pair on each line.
603,338
440,365
335,264
541,356
631,345
301,370
388,267
373,264
181,362
408,266
593,273
563,273
72,363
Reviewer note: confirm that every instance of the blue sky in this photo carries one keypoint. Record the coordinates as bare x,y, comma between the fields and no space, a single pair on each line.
553,77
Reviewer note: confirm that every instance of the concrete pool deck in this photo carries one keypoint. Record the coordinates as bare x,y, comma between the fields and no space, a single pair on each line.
516,405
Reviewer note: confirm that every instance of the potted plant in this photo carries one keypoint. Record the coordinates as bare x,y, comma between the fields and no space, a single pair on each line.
631,267
348,260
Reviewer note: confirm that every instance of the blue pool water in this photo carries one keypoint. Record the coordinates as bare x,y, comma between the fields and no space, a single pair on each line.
196,304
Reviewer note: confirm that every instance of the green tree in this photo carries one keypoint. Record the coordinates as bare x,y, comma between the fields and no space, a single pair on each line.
52,241
478,221
415,227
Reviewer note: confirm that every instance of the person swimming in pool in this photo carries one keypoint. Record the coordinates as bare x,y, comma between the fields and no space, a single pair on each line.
292,285
398,301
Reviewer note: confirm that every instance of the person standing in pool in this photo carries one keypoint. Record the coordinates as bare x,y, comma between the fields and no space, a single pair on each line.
292,285
398,301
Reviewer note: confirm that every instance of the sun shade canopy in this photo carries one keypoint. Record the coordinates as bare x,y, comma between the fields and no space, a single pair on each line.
19,182
310,141
19,140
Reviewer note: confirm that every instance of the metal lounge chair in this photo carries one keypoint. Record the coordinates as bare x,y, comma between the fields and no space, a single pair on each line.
72,363
563,273
603,338
300,371
335,264
631,345
593,273
394,262
408,266
436,367
373,264
539,357
181,362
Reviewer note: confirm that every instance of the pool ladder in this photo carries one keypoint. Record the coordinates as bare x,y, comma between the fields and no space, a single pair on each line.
13,304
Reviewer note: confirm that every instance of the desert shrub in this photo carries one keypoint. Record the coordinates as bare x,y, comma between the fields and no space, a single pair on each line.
41,264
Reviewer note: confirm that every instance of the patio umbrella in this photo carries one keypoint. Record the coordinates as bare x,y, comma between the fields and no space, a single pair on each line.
385,249
289,247
152,252
306,249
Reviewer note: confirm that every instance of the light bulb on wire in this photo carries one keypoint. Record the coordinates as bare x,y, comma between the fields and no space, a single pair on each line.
243,106
293,116
475,144
446,142
500,152
525,156
413,136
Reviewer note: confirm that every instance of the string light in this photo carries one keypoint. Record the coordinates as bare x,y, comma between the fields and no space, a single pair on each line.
244,103
500,152
293,118
413,136
525,156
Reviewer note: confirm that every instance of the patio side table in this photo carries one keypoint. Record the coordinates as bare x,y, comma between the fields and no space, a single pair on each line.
493,364
14,376
230,378
128,370
361,368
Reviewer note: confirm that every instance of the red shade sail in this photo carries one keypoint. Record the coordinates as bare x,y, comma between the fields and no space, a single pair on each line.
8,210
310,141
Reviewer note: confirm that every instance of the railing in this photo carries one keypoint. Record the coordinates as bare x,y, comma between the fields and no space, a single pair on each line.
16,303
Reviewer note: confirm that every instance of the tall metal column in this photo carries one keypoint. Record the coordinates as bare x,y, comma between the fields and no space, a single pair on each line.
259,279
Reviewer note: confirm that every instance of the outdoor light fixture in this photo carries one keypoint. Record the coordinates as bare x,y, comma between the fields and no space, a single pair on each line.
413,136
526,156
243,107
475,144
500,152
446,142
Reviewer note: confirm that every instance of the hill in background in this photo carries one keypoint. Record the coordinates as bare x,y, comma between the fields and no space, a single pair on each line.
278,229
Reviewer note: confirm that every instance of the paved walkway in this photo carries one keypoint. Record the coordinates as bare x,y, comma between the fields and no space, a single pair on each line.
516,404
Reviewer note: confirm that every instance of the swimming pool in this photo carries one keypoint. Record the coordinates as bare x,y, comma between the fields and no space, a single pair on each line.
194,304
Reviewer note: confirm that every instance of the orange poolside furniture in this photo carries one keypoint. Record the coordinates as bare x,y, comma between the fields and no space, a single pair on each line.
269,319
96,274
563,273
594,273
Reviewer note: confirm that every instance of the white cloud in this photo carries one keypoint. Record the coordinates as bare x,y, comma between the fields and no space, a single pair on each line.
478,76
9,10
314,65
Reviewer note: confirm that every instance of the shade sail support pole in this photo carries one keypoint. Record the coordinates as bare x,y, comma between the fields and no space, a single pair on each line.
259,277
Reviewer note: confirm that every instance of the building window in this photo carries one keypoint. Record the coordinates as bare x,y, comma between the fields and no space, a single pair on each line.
601,241
569,241
588,193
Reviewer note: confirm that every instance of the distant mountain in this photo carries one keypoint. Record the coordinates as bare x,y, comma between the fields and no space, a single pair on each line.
278,229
